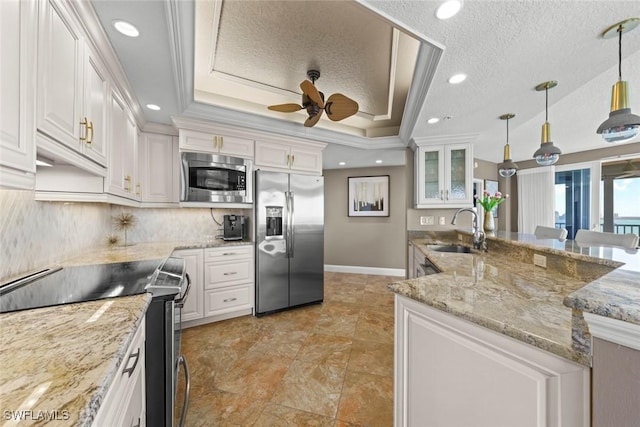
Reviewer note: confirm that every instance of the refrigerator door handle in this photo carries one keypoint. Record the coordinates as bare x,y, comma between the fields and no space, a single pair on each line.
292,224
288,228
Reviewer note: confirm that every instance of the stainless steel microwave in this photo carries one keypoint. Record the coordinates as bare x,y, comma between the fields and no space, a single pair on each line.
211,178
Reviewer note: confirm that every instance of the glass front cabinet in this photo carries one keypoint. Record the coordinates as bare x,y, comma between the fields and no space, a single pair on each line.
444,176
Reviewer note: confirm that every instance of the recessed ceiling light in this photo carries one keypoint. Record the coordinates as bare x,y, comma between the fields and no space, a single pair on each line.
433,120
153,107
378,161
342,163
458,78
448,9
126,28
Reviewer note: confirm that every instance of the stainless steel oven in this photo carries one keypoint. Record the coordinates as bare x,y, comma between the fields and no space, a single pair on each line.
164,361
211,178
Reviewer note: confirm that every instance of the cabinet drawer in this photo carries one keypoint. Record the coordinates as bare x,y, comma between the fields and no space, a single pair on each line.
228,273
228,253
129,378
220,300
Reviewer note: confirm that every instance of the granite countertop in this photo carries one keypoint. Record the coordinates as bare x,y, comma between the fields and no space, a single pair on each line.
503,291
495,291
615,295
64,358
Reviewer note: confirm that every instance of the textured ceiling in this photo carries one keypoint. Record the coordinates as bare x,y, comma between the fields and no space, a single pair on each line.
506,47
251,54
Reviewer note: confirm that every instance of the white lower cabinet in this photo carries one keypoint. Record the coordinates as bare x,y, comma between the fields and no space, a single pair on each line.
124,403
450,372
222,283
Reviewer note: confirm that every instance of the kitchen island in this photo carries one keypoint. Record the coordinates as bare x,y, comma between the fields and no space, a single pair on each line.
504,337
57,363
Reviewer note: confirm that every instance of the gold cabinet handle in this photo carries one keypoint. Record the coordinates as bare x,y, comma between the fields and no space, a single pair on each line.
127,185
90,128
293,159
215,142
221,142
138,189
288,159
85,123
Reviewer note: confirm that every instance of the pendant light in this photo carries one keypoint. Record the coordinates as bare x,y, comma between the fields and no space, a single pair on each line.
621,125
547,154
507,168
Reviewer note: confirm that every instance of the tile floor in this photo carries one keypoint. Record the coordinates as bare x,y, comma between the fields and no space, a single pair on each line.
323,365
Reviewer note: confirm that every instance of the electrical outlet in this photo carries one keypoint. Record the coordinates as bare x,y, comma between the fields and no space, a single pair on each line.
540,260
441,221
426,220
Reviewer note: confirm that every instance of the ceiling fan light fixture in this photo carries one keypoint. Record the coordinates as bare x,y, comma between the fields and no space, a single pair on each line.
622,125
548,154
507,168
448,9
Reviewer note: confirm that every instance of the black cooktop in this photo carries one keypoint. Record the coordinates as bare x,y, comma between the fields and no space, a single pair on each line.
78,284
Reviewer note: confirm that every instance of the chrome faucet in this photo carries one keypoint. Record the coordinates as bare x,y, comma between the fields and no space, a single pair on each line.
479,238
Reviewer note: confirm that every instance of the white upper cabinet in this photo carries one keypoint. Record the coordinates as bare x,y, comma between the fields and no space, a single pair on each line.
17,89
159,168
444,176
294,156
122,178
72,84
219,143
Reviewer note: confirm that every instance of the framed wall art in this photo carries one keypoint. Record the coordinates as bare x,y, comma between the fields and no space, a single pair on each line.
369,195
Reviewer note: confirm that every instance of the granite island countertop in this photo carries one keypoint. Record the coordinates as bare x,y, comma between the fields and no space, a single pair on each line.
503,291
64,358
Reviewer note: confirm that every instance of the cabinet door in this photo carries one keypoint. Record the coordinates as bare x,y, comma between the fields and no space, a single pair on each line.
118,129
60,52
306,159
96,93
194,304
430,165
271,154
158,159
459,179
130,160
235,146
198,141
17,40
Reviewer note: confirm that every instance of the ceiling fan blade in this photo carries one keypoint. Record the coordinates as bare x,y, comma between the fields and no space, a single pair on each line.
285,108
311,121
311,91
340,107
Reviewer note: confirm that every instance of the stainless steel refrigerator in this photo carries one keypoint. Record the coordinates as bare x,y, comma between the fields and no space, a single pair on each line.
289,229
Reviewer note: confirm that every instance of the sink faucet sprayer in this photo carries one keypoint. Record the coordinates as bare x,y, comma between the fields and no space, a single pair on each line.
479,238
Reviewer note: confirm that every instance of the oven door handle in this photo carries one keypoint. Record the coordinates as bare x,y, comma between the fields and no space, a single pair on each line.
180,302
182,361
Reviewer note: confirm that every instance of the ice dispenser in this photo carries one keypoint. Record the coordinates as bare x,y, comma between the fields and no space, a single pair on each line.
274,221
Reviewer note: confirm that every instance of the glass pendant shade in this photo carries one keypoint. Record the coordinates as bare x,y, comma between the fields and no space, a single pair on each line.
622,125
548,154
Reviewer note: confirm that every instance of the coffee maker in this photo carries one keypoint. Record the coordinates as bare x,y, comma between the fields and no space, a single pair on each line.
234,227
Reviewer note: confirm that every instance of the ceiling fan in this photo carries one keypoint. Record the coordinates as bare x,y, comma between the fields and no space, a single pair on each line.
629,171
338,106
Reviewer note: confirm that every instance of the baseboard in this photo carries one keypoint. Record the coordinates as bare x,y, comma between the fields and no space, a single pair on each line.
365,270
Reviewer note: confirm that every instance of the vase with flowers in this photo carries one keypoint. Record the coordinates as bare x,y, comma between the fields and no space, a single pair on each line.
488,202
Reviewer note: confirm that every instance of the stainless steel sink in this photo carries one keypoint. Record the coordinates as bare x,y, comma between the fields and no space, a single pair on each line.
450,248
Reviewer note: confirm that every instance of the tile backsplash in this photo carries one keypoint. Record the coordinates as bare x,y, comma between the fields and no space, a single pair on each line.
34,234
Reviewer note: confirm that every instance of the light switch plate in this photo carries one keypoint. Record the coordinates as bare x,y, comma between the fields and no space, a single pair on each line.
426,220
540,260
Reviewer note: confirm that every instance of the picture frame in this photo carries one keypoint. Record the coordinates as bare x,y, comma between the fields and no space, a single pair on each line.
368,196
492,187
